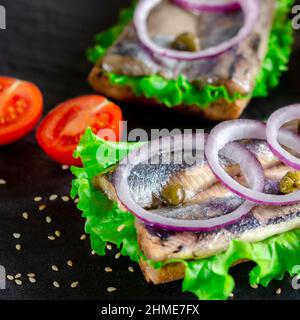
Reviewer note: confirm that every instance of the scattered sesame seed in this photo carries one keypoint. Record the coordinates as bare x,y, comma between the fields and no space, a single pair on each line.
57,233
18,276
254,286
52,238
56,284
65,167
109,247
93,252
83,237
111,289
31,275
25,215
76,200
131,269
278,291
17,235
18,247
231,295
18,282
48,219
2,181
42,207
37,199
121,227
70,263
108,269
65,198
53,197
32,280
74,284
54,268
10,277
118,255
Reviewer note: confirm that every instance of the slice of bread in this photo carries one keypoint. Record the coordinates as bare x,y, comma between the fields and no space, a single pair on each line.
219,111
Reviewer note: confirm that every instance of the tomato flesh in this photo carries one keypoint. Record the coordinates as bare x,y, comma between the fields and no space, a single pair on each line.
21,106
61,130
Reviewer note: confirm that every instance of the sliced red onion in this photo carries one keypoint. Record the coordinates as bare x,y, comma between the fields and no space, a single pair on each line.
245,129
256,181
274,124
144,7
208,5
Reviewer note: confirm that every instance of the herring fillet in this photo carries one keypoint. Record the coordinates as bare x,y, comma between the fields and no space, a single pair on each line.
236,68
215,200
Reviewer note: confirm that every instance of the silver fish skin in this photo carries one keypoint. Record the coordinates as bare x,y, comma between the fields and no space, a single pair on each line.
261,223
147,180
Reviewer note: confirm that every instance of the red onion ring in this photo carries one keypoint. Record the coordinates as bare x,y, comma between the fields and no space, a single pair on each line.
205,5
246,129
256,181
144,7
275,122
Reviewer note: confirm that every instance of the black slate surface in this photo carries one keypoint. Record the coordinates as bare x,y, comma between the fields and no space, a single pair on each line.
45,42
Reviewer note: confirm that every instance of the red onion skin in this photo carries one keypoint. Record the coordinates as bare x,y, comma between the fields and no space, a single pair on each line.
189,6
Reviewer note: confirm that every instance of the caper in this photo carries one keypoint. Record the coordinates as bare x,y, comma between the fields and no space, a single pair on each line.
290,182
173,194
186,41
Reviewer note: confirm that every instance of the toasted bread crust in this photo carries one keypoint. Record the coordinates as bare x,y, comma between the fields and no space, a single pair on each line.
168,273
219,111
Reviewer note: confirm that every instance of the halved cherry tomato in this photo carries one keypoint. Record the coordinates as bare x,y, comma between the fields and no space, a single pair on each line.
59,133
21,106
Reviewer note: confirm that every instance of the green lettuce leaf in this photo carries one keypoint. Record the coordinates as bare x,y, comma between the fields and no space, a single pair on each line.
207,278
181,91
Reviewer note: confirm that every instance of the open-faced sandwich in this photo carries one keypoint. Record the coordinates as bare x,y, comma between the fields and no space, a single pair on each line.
193,205
205,57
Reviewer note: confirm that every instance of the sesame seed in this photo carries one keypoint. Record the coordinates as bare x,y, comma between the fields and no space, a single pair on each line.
18,276
54,268
74,284
111,289
25,215
278,291
231,295
76,200
42,207
108,269
37,199
121,227
17,235
53,197
18,247
31,275
65,198
52,238
2,181
118,255
70,263
18,282
65,167
10,277
254,286
109,247
57,233
83,237
48,219
56,284
93,252
32,280
131,269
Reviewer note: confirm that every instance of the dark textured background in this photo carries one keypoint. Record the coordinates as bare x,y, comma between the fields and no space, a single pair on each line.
45,43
